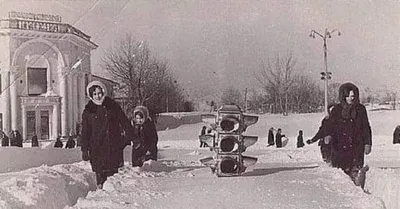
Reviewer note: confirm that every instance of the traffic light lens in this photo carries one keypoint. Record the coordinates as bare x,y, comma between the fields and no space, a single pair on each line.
228,165
229,124
227,144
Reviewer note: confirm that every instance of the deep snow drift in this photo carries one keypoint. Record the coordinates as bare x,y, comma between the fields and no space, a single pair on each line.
282,178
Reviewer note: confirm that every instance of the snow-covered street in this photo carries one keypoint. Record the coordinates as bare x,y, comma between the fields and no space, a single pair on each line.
282,178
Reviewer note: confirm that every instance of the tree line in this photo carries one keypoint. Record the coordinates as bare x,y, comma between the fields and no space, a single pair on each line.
144,79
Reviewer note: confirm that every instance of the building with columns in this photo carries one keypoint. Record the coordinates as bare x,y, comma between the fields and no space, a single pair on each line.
44,68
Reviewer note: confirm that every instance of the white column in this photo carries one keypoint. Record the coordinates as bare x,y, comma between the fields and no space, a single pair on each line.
24,124
5,97
56,110
82,96
63,95
13,96
49,81
70,104
75,99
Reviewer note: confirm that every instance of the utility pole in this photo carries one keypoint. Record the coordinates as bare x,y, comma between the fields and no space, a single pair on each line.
245,100
325,75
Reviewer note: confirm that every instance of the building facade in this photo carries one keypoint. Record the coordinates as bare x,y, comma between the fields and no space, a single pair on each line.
44,68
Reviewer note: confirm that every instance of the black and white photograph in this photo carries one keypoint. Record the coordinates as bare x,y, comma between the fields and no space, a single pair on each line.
144,104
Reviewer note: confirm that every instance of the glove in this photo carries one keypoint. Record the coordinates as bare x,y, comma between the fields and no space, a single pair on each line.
309,141
85,155
136,144
367,149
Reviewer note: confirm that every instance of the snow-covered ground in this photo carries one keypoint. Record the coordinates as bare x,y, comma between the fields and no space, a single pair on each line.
282,178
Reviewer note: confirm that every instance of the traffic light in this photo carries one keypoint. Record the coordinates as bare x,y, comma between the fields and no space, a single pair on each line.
229,143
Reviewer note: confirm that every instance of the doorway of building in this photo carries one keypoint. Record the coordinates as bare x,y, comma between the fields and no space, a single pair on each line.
38,123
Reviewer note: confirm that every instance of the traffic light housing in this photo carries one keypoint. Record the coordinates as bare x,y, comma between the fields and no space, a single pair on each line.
229,143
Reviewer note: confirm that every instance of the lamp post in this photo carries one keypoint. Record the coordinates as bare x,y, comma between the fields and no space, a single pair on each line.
325,75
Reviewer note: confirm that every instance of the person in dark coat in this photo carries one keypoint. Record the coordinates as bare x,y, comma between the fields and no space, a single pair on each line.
35,142
103,125
70,143
396,135
278,138
145,131
351,134
323,138
300,142
202,133
5,142
15,138
271,140
58,143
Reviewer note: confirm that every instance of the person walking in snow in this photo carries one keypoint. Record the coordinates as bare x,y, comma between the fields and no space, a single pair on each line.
351,134
144,131
271,140
103,123
300,142
70,143
58,143
278,138
15,138
34,141
324,140
396,135
5,142
202,133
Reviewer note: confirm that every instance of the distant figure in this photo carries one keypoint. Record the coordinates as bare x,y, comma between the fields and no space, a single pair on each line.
78,135
70,143
202,133
396,135
35,142
15,138
278,138
58,143
300,142
271,140
5,142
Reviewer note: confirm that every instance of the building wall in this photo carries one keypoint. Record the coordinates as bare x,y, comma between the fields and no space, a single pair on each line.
64,98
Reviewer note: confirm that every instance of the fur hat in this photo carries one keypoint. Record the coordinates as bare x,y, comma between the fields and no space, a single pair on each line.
346,88
143,110
102,86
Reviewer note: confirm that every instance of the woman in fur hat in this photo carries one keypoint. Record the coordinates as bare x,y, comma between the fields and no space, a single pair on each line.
103,126
145,131
351,134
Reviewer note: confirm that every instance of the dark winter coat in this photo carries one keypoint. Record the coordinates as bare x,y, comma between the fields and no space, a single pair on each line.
350,130
300,142
35,142
103,127
70,143
278,138
396,135
147,134
58,143
5,142
15,139
271,140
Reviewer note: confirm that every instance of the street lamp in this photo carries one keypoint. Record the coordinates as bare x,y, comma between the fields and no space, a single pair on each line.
325,75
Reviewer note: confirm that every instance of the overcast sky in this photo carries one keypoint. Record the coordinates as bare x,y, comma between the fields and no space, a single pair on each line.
212,44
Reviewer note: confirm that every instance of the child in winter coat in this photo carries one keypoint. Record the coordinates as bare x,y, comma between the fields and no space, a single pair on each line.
145,132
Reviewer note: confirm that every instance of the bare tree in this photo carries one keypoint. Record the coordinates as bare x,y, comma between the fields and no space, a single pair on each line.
276,79
141,76
232,96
